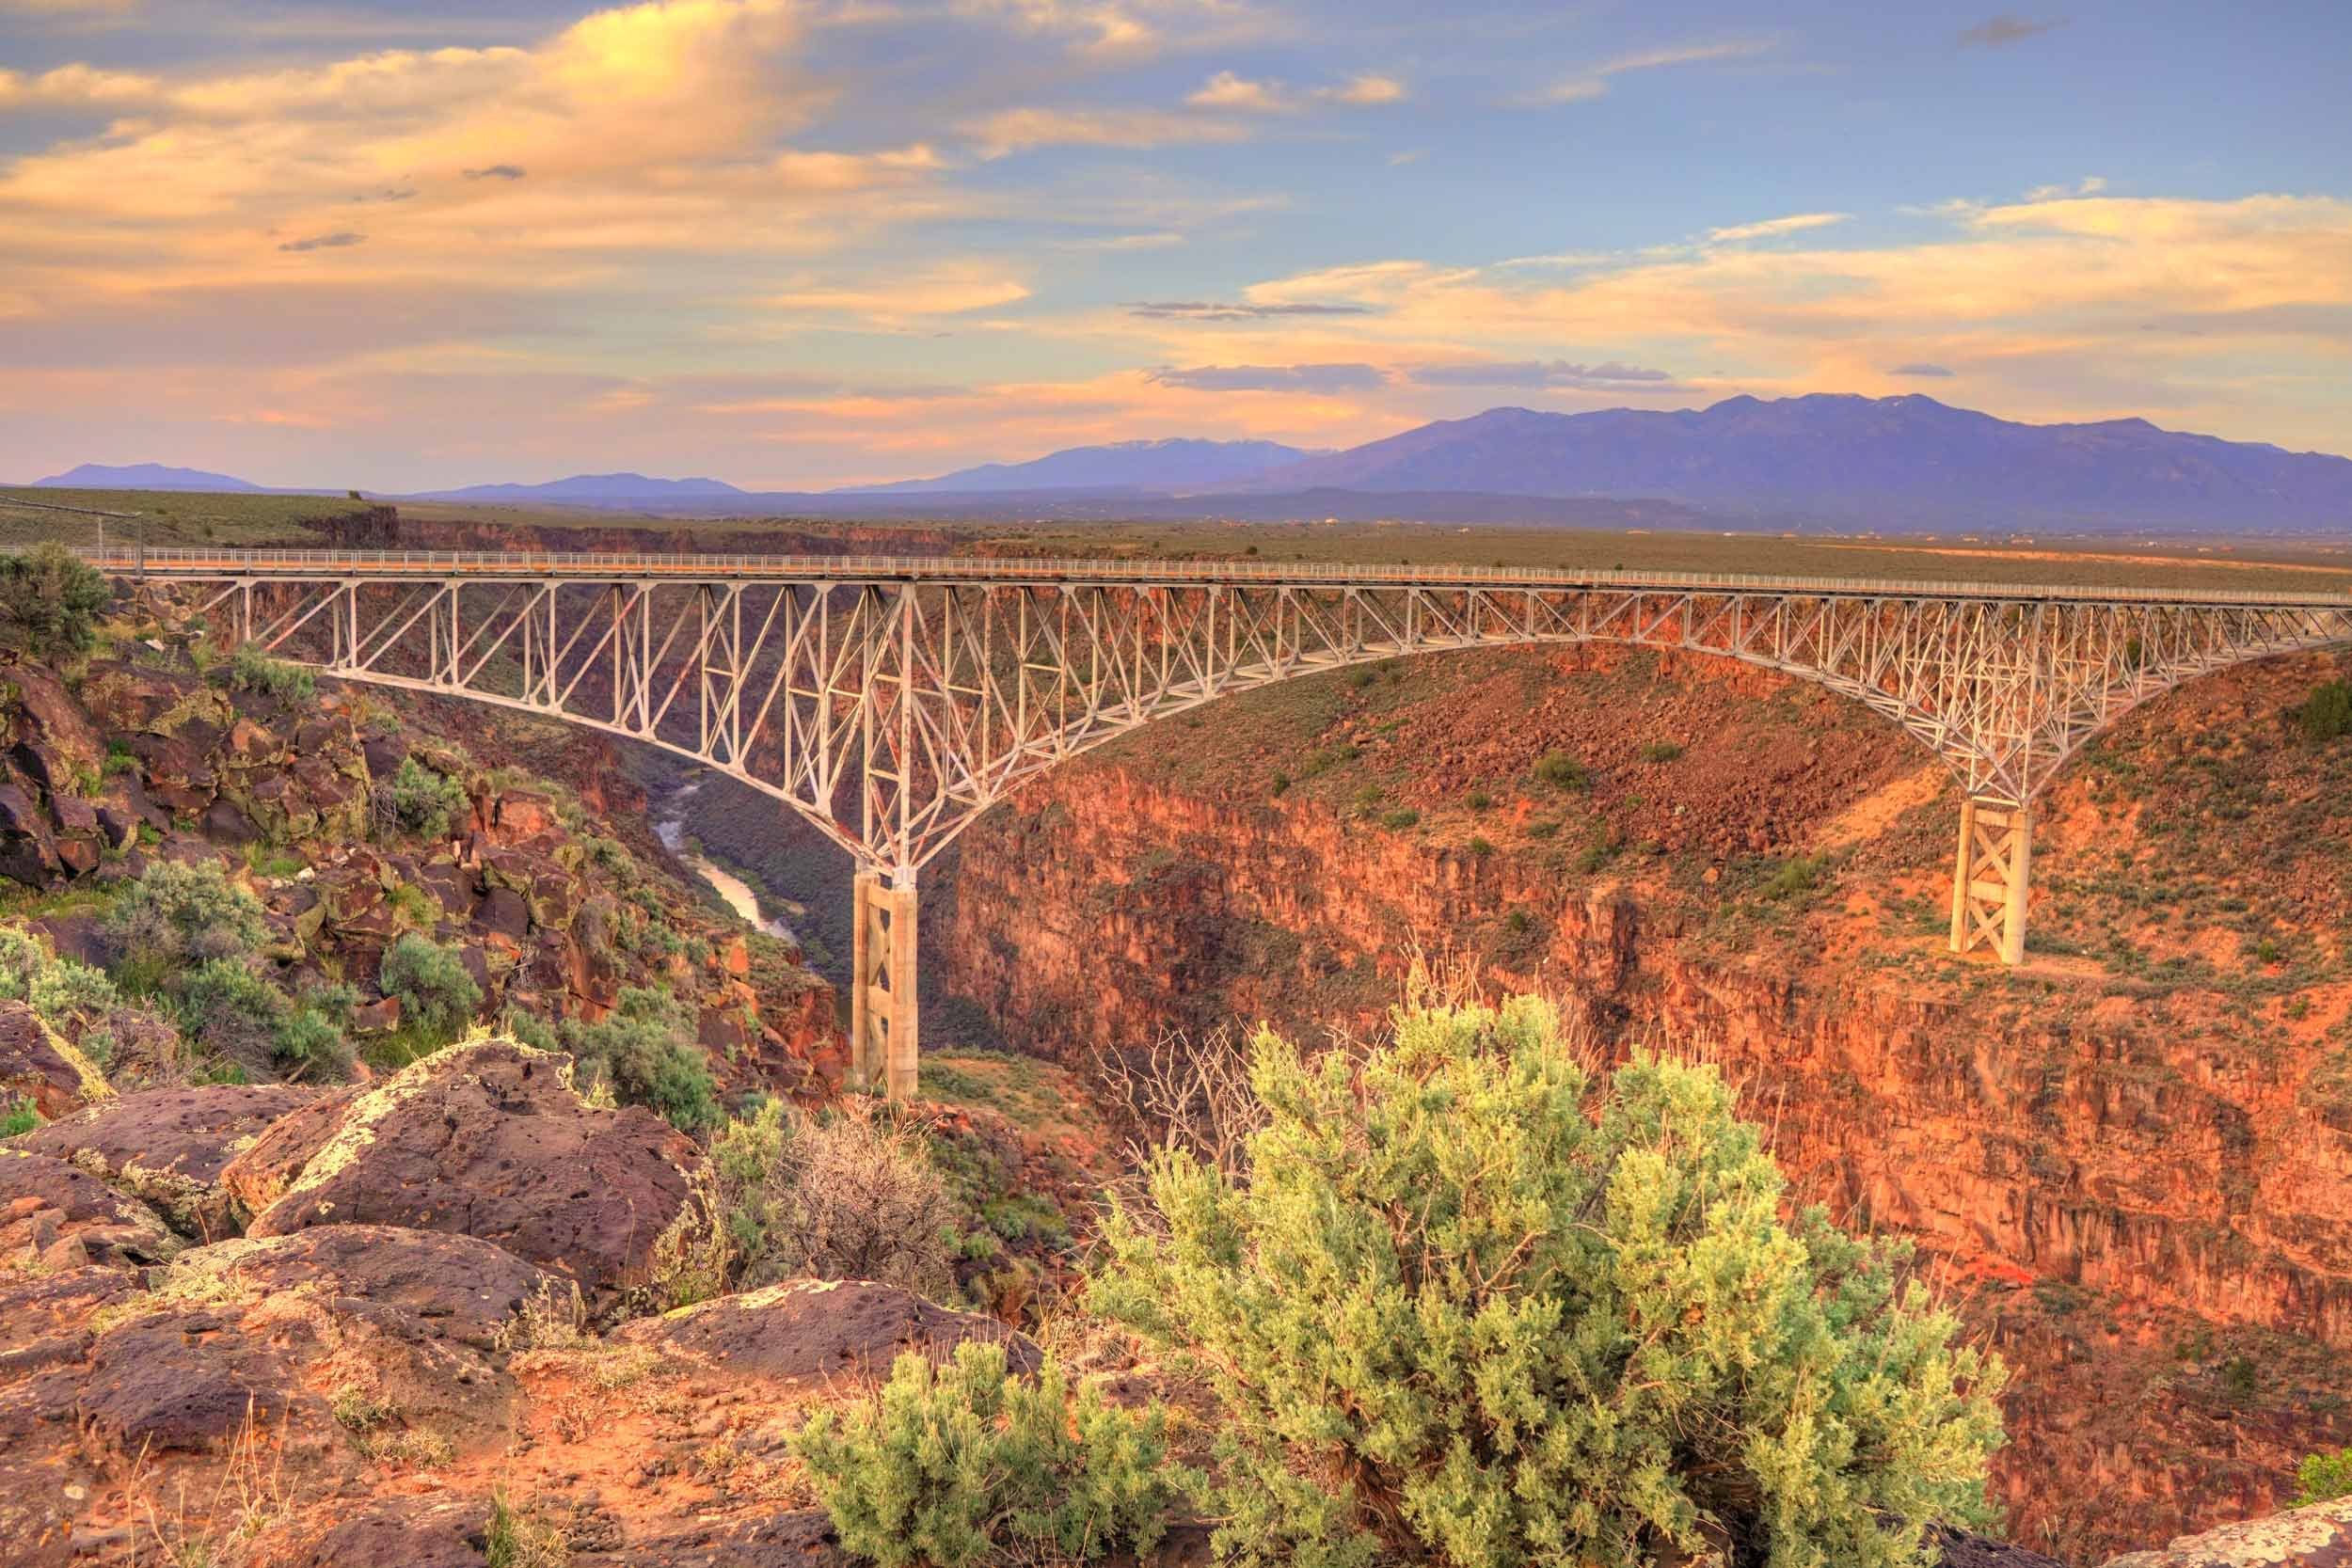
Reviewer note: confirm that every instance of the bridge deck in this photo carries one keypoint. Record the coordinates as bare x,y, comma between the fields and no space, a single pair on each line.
314,564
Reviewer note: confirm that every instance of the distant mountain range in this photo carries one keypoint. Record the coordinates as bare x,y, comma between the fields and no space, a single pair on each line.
1826,460
592,489
1176,465
142,476
1899,460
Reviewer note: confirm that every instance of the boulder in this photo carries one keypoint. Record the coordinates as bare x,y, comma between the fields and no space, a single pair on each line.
39,1065
1958,1548
2319,1536
170,1146
490,1140
816,1333
430,1283
433,1531
801,1537
264,1169
45,1202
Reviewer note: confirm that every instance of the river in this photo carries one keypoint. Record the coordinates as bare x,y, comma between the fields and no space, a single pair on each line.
669,827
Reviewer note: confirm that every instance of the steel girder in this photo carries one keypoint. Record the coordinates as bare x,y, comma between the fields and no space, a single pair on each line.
890,711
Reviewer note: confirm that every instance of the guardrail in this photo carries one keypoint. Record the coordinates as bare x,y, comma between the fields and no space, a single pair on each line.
959,569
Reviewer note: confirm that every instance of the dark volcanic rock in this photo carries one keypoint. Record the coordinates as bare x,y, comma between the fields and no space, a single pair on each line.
803,1538
489,1140
264,1169
37,1064
1955,1548
446,1286
170,1146
387,1532
819,1331
45,1202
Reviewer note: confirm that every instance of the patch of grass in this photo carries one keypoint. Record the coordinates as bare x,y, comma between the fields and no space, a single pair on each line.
18,1119
1661,751
516,1538
1400,819
1563,772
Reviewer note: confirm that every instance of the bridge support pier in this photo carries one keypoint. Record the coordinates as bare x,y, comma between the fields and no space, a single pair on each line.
882,1020
1990,878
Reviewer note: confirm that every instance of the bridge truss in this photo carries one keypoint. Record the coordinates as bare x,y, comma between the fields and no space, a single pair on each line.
890,701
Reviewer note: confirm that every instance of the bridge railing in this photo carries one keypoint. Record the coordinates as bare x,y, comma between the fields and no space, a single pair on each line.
1014,569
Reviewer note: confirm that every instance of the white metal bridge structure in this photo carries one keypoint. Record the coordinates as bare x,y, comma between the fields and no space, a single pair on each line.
889,701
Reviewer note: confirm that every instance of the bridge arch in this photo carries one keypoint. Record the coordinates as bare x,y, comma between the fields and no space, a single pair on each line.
890,701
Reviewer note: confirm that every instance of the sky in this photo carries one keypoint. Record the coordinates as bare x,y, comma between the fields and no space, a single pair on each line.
404,245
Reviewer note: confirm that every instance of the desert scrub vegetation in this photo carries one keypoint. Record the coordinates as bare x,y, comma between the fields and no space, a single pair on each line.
950,1466
431,981
418,801
850,1196
2326,715
49,600
249,669
2323,1478
1472,1305
1564,772
646,1054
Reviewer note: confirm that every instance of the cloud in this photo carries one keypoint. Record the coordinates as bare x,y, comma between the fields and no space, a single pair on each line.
1318,379
1368,89
2089,186
75,87
496,171
948,289
1921,369
1609,375
1160,239
340,239
1594,83
2000,31
1241,95
1772,227
74,10
1226,91
1012,131
1220,310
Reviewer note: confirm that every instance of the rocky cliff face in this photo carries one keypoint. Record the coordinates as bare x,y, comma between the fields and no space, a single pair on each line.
2139,1184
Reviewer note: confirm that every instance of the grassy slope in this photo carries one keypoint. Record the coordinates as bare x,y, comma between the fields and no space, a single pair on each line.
166,517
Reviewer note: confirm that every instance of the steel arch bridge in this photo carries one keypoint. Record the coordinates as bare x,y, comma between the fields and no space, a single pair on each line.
889,701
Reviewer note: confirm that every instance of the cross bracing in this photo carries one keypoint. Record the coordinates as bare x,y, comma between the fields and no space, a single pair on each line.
890,701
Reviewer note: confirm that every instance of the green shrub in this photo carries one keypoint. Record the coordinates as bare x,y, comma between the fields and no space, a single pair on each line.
71,995
1481,846
179,913
50,599
1793,879
647,1053
251,670
2326,713
949,1467
431,981
24,958
418,801
1401,819
1468,1305
17,1119
1478,799
231,1011
1563,772
311,1042
517,1538
1661,751
2323,1478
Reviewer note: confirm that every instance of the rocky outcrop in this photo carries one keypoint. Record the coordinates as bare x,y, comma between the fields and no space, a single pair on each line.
385,1532
2319,1536
55,1215
40,1068
812,1333
417,1282
490,1140
170,1146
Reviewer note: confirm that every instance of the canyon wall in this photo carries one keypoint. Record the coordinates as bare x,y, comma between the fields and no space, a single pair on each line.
2129,1184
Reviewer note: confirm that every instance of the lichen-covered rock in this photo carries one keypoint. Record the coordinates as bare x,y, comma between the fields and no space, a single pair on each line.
264,1168
815,1332
170,1146
2319,1536
40,1065
50,1211
490,1140
434,1283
